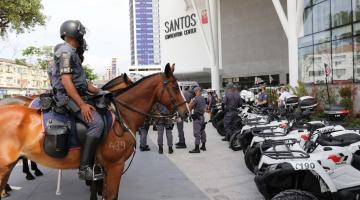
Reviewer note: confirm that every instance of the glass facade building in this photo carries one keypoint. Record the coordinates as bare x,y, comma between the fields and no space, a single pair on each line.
331,37
144,25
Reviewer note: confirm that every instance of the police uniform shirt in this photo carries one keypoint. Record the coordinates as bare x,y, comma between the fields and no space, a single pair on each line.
211,99
232,100
67,61
263,96
199,104
188,96
51,71
162,109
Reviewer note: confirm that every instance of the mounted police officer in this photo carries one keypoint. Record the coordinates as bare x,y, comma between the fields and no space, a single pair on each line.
198,105
71,89
180,125
231,102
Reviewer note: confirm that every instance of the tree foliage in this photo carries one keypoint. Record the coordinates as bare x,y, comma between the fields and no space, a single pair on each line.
20,15
42,55
89,73
20,61
299,90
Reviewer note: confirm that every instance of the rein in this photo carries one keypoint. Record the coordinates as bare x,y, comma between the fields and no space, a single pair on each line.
160,116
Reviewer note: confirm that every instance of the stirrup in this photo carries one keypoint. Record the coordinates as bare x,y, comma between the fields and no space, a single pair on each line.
97,176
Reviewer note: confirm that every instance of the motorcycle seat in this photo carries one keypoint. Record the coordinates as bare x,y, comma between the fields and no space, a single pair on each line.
340,140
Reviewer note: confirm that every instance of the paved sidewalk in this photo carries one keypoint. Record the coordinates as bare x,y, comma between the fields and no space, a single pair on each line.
217,174
151,177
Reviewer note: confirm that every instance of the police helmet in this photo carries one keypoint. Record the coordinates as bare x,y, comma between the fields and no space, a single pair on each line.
72,28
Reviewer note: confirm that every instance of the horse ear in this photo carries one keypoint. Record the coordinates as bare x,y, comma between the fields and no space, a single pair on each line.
168,70
173,68
126,78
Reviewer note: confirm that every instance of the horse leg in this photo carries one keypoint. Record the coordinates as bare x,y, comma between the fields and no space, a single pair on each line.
4,177
112,180
35,168
26,169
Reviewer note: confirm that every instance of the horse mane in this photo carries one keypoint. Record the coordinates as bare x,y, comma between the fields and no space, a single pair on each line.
120,91
112,82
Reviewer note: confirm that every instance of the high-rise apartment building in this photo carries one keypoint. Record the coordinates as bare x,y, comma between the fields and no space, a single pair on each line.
145,36
113,67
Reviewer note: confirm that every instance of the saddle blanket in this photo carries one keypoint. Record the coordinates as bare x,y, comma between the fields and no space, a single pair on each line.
67,119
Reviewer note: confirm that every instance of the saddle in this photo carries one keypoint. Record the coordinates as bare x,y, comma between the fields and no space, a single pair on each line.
62,130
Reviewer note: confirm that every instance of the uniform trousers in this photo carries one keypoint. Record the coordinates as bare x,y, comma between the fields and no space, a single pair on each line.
180,127
161,128
143,131
229,122
199,130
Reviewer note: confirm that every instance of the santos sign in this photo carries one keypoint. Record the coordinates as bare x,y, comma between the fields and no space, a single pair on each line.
180,26
181,36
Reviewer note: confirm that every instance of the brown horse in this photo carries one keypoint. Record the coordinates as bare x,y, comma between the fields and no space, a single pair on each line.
117,83
21,130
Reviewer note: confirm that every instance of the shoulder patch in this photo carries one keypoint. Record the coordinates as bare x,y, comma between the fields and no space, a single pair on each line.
65,63
65,59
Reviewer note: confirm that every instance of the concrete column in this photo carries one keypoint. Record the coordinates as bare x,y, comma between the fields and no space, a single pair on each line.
290,26
293,42
281,14
213,16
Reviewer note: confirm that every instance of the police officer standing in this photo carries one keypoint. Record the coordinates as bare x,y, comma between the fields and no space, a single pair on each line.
166,125
231,102
198,105
262,100
143,131
69,83
212,101
180,125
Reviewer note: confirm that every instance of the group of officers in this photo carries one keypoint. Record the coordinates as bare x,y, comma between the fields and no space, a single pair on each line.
197,106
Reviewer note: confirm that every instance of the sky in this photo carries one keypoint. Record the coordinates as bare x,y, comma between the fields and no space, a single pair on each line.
107,23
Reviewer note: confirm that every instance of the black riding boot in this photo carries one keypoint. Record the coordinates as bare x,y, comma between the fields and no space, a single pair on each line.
180,145
203,147
196,150
87,158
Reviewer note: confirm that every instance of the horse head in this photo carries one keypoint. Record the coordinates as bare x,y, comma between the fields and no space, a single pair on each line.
170,94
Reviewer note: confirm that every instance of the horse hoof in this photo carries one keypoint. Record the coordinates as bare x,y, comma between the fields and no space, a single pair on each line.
38,173
4,194
29,177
